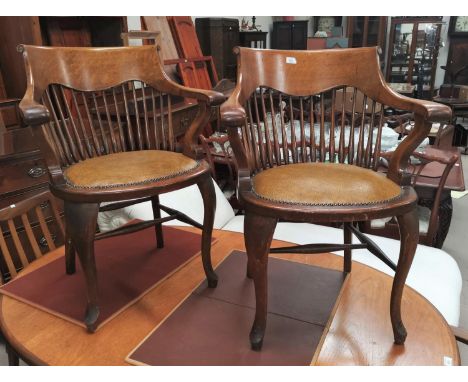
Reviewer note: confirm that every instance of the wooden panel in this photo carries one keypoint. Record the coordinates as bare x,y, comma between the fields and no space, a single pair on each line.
16,30
185,37
67,31
160,24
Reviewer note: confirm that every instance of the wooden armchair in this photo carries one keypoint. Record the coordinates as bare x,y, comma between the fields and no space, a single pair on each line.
103,121
326,180
29,230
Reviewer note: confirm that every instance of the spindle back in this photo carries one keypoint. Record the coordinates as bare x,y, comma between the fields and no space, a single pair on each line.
29,229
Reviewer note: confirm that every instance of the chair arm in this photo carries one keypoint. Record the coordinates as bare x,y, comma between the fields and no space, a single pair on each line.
441,157
232,114
460,334
33,113
209,97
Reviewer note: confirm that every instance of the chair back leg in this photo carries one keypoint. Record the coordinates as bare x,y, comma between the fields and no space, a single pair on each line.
409,237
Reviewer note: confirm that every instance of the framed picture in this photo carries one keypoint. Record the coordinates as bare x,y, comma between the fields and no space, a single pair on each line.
458,26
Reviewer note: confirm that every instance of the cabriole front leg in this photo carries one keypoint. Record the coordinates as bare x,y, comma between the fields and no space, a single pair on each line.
409,237
81,226
258,233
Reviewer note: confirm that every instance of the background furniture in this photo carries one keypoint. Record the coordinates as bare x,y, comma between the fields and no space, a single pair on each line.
26,234
367,31
289,180
289,35
429,178
110,138
42,338
253,39
218,37
413,51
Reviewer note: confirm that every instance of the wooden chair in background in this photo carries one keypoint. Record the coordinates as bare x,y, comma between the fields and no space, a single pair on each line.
429,217
218,153
117,144
294,182
29,229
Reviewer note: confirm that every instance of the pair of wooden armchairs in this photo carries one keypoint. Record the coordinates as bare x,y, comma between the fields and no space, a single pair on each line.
104,142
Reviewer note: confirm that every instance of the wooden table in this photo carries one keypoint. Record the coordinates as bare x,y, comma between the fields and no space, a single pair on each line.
359,333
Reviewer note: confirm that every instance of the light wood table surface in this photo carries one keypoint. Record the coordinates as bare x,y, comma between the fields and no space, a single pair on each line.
359,333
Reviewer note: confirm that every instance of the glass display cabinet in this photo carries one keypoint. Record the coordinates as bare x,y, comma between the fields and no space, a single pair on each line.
412,53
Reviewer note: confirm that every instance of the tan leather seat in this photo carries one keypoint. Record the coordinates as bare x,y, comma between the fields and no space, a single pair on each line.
127,168
324,184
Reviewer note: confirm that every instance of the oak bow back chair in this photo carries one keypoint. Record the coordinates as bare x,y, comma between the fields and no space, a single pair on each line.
295,168
29,230
103,121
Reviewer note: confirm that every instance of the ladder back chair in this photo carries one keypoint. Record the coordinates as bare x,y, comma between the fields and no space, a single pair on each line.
103,121
29,229
297,168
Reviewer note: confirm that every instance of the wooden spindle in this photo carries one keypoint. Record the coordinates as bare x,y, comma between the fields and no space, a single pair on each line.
322,128
139,138
101,127
276,151
17,242
293,131
163,125
378,143
261,144
155,120
45,228
370,136
268,139
252,134
331,143
31,237
360,148
7,256
72,124
313,151
283,132
89,146
303,136
110,124
341,150
131,139
97,145
66,156
51,127
147,141
170,125
68,140
351,130
119,123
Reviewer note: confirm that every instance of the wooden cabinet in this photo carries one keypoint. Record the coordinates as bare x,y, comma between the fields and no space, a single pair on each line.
367,31
290,35
413,51
218,37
